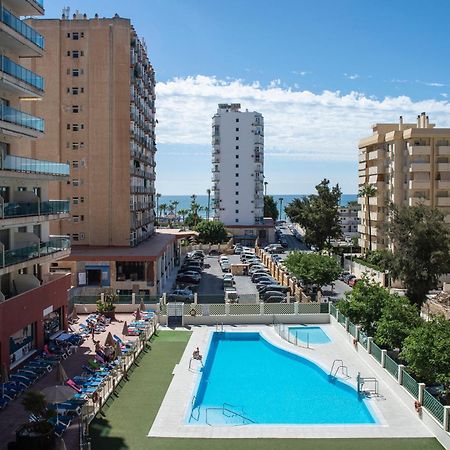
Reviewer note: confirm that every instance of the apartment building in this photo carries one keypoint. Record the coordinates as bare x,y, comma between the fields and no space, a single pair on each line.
33,301
100,110
408,164
349,220
238,172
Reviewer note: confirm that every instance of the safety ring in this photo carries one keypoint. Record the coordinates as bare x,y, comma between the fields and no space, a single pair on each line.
418,406
95,397
355,342
193,312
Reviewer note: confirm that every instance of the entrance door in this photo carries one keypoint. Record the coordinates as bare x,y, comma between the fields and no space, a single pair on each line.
175,314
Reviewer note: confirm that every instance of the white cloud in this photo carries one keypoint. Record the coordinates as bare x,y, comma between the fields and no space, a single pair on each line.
301,72
431,84
351,76
443,94
299,125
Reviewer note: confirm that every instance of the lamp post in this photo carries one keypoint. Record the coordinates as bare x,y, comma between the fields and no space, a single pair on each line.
265,187
281,207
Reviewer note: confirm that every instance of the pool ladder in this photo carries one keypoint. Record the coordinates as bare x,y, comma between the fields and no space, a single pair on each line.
231,413
338,364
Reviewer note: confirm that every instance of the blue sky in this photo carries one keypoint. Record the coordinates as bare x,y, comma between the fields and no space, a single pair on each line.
320,72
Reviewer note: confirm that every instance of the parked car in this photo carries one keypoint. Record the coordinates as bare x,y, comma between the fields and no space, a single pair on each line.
237,249
214,252
275,287
231,294
342,276
260,276
188,277
268,294
276,248
198,253
225,266
181,295
228,280
275,299
284,243
348,278
189,268
263,283
258,268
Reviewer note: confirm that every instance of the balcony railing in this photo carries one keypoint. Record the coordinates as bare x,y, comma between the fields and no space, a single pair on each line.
20,118
28,165
8,18
9,210
22,74
38,250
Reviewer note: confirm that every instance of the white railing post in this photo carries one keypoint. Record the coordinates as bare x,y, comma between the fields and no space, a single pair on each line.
421,391
261,308
346,324
400,373
288,297
296,308
195,298
102,296
446,423
369,344
227,309
358,329
133,298
383,358
164,298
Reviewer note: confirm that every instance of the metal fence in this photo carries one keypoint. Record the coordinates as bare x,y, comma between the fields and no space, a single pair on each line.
410,384
375,351
433,406
391,366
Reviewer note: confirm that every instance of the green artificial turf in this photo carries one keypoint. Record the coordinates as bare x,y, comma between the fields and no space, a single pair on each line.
127,418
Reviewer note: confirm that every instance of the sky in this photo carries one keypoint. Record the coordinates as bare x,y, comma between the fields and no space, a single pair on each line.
321,73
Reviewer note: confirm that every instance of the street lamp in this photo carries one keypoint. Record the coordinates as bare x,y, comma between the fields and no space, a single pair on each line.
281,207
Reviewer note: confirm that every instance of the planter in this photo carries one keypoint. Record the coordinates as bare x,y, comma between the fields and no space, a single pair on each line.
26,440
110,315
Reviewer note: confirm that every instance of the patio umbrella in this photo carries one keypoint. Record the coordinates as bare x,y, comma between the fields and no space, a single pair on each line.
125,329
110,340
138,315
142,305
61,374
58,394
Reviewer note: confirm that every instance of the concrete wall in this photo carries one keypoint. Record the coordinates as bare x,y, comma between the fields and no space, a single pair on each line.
359,270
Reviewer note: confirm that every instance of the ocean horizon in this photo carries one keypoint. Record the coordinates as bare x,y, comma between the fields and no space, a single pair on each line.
184,201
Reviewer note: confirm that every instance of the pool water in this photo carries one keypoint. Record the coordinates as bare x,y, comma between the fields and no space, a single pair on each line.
247,380
311,335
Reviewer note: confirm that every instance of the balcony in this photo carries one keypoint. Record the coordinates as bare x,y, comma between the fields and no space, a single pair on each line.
444,150
362,157
443,201
419,150
376,154
415,201
34,166
57,208
215,141
215,177
18,80
420,184
26,7
215,159
362,166
419,167
443,184
17,123
443,167
55,245
18,37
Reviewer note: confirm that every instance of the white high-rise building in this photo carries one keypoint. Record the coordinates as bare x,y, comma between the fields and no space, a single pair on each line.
238,169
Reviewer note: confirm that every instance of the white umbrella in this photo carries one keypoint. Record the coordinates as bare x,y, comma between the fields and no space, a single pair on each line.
57,394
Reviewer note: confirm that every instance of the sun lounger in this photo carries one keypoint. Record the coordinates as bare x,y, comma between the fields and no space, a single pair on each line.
66,408
60,428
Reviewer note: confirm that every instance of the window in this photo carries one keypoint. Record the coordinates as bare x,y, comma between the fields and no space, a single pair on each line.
75,236
75,127
236,174
75,72
237,129
237,211
237,138
75,145
237,192
76,108
68,35
237,202
237,220
237,183
75,182
237,156
75,219
81,199
237,120
68,52
237,166
237,147
75,200
75,54
68,126
75,164
74,91
75,36
82,218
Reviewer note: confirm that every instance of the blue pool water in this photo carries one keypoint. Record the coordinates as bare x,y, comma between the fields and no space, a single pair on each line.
248,380
313,335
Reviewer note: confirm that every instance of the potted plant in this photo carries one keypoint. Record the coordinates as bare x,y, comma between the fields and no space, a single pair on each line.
39,433
107,305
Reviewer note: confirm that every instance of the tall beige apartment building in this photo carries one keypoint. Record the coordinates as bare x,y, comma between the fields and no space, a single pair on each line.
408,164
100,115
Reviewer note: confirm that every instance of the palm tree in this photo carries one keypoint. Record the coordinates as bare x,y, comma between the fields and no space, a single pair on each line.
162,208
175,204
208,191
183,213
368,191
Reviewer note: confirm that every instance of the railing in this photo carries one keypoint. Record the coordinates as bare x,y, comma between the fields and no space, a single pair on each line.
8,18
121,299
410,384
28,165
391,366
33,209
37,250
20,118
15,70
375,351
435,408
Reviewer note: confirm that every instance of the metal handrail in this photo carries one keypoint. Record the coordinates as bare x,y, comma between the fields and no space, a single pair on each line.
193,409
340,366
223,409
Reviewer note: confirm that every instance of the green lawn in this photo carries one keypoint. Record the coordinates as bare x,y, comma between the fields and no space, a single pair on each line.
128,417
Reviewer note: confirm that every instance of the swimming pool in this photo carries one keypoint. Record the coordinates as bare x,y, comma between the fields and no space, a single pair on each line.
247,380
311,335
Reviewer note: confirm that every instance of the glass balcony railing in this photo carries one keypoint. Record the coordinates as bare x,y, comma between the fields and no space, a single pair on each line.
20,118
28,165
22,74
9,210
38,250
8,18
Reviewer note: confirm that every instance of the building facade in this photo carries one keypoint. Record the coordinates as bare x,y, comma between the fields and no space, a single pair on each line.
100,110
408,164
33,301
238,170
348,217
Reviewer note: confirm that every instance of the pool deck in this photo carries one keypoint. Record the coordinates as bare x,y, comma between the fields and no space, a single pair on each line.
396,416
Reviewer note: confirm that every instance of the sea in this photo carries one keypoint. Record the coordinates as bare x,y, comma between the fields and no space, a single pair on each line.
184,201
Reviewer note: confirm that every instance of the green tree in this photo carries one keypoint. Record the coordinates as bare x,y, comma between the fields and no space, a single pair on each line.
364,303
211,232
183,213
270,207
420,238
368,191
318,214
163,208
426,351
312,268
398,318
